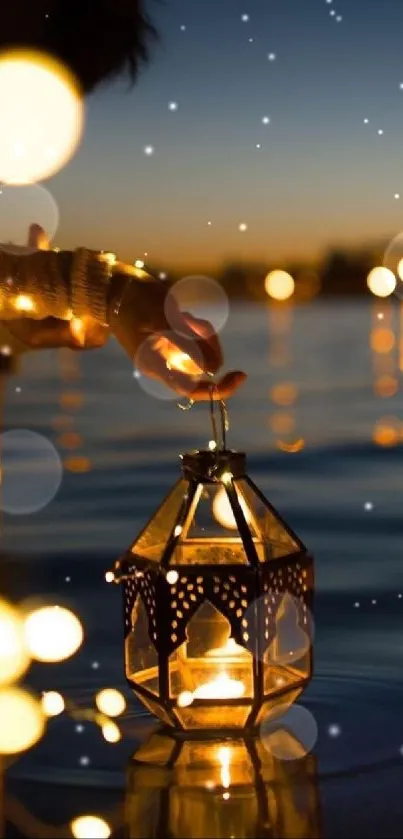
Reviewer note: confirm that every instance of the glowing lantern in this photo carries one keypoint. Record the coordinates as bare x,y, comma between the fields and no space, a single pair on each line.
222,788
217,607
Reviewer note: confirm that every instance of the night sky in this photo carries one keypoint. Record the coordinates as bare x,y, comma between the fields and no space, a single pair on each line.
321,177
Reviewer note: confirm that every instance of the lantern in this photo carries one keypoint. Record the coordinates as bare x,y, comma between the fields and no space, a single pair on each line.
217,601
222,788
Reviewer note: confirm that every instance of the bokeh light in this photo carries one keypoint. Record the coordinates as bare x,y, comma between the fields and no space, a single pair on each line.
31,472
156,349
279,285
296,720
386,386
19,206
52,703
291,446
14,658
200,296
53,633
111,732
284,394
294,625
110,702
223,513
282,423
393,262
22,720
42,117
387,432
90,827
381,281
382,340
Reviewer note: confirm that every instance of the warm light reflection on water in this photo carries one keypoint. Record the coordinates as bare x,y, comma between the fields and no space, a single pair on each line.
284,393
386,353
71,401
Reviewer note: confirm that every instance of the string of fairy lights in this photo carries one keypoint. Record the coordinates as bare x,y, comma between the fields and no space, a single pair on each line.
46,634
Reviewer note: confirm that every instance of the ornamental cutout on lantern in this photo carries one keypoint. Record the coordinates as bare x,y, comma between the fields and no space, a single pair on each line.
217,599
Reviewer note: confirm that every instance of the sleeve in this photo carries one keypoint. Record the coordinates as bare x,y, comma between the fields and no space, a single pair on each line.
54,284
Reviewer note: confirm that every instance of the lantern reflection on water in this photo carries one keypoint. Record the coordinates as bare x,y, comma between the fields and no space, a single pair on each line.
222,788
217,618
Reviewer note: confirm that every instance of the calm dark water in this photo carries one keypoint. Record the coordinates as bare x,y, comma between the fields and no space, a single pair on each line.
342,493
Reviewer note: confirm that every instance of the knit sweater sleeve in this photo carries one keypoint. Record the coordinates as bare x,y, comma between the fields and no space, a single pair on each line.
61,284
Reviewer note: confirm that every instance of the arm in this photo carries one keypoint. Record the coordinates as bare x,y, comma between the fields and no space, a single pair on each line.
60,285
58,290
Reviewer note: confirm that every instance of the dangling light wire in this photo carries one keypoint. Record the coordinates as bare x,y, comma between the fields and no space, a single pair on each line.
219,444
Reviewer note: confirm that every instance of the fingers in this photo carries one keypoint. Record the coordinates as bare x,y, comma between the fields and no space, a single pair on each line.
151,363
37,238
195,337
206,331
223,390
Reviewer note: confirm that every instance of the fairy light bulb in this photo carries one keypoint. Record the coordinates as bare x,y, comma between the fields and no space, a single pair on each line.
14,657
53,633
90,827
226,478
52,703
110,702
111,732
109,258
22,721
24,303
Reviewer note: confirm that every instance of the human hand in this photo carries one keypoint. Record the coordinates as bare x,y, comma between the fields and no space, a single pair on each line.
165,343
52,333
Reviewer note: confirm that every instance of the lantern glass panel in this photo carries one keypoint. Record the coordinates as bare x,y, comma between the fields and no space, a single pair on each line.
210,535
277,706
209,665
287,658
217,716
155,707
141,655
151,543
266,527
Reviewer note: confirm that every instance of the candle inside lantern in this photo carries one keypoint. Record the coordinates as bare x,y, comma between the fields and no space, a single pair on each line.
222,687
230,648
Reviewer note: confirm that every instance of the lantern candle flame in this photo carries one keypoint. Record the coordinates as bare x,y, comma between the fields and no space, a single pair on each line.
222,687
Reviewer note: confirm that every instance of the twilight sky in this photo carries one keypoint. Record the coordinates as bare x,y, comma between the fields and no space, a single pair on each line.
322,176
